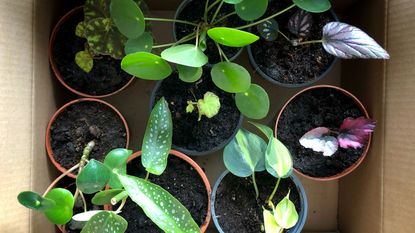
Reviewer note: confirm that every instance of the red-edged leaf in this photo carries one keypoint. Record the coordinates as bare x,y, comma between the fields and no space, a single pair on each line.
316,140
355,132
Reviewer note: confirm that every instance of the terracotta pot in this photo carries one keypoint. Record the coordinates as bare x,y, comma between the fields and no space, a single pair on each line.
366,149
55,68
59,111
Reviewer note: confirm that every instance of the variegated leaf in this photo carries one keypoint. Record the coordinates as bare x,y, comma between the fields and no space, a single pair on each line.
84,60
300,23
268,30
96,9
317,140
80,29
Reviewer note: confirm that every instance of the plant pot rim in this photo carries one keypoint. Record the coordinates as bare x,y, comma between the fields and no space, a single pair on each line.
59,111
55,69
202,175
194,152
301,191
359,105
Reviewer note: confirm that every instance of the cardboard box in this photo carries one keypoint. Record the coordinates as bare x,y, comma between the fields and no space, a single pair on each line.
376,198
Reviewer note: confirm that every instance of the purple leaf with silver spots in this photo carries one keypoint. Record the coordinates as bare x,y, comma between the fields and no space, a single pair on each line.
300,23
355,132
316,140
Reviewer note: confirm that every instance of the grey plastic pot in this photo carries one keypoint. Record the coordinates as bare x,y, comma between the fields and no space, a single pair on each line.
303,201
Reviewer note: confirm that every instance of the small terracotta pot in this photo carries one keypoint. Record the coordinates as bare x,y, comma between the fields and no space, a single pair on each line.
55,68
59,111
359,105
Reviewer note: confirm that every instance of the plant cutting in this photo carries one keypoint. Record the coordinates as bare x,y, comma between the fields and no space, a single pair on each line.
208,106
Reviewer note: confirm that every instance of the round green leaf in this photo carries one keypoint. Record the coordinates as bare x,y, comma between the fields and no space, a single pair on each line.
128,18
253,103
233,1
208,106
278,161
232,37
185,54
34,201
314,6
146,66
189,74
93,177
231,77
104,197
116,160
285,213
61,212
249,10
143,43
84,60
105,221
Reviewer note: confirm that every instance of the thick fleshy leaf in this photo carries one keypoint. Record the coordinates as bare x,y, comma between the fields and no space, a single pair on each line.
355,132
146,66
159,205
232,37
105,221
249,10
245,154
185,54
233,1
104,197
346,41
157,139
208,106
84,60
231,77
268,30
61,212
285,213
143,43
300,23
93,177
314,6
278,161
34,201
270,224
116,161
253,103
316,140
128,18
96,9
189,74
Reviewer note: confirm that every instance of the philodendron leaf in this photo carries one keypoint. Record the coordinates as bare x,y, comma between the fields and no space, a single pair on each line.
143,43
116,161
253,103
231,77
285,213
104,197
231,37
249,10
128,18
346,41
34,201
61,212
93,177
208,106
268,30
316,140
314,6
300,23
189,74
185,54
96,9
270,224
355,132
84,60
159,205
233,1
264,129
278,161
80,29
245,154
146,66
105,221
157,139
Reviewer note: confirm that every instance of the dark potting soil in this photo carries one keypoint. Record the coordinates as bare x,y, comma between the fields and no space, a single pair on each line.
290,64
236,207
106,75
188,132
193,12
81,123
181,180
316,108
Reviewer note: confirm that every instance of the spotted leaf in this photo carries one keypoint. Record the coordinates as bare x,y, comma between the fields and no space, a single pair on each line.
84,60
80,29
96,9
268,30
300,23
355,132
105,221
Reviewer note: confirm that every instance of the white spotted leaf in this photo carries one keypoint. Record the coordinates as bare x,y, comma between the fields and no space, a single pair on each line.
268,30
105,221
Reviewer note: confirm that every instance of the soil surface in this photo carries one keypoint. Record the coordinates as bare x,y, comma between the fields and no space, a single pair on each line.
323,107
181,180
188,132
286,63
236,207
193,12
81,123
106,75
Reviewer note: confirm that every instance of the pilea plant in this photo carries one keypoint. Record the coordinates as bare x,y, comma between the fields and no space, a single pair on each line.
208,106
353,133
158,204
248,153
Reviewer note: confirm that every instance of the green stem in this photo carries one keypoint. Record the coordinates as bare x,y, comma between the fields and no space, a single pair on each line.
59,178
255,185
171,20
274,191
212,5
184,39
267,18
309,42
224,17
217,11
147,176
206,11
283,35
197,36
122,205
221,53
117,198
83,201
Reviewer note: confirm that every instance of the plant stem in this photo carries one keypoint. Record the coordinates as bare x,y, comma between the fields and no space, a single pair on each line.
283,35
171,20
309,42
206,11
212,5
83,201
274,191
255,185
224,17
117,198
267,18
197,36
59,178
221,53
217,11
122,205
281,230
147,176
184,39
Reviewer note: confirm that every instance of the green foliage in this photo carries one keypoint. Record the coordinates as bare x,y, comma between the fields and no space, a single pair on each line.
232,37
143,43
116,161
146,66
208,106
185,54
189,74
249,10
105,221
96,9
314,6
233,1
285,213
93,177
34,201
128,18
80,29
61,213
271,226
231,77
84,60
104,197
253,103
268,29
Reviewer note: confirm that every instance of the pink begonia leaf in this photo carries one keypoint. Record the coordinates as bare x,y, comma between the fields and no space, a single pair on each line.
316,140
355,132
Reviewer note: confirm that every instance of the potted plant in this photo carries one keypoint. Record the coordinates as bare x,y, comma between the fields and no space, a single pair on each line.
78,122
271,201
327,130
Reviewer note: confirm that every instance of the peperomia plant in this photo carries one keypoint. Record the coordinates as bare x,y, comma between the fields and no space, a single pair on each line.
248,153
158,204
353,133
208,106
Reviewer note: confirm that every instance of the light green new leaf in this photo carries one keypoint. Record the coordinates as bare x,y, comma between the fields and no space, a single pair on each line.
314,6
93,177
185,54
146,66
208,106
128,18
96,9
233,1
157,139
34,201
84,60
143,43
104,197
232,37
116,161
269,133
278,161
189,74
231,77
61,213
245,154
250,10
80,29
285,213
270,224
253,103
105,221
159,205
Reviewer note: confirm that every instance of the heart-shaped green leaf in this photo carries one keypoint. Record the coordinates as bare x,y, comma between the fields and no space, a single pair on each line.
84,60
231,77
278,161
189,74
253,103
61,213
270,224
105,221
143,43
34,201
185,54
233,1
249,10
146,66
116,161
232,37
104,197
208,106
128,18
314,6
96,9
93,177
268,30
285,213
159,205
